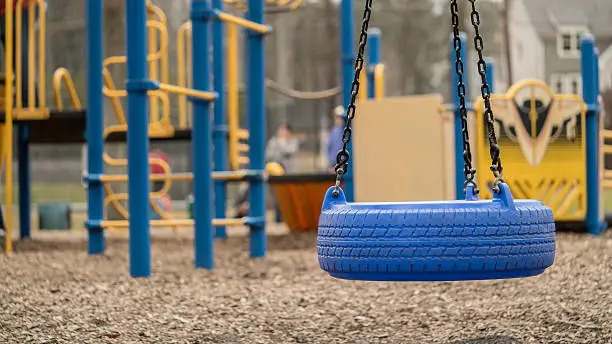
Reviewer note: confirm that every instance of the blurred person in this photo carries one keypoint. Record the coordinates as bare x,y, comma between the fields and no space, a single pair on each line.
281,149
334,143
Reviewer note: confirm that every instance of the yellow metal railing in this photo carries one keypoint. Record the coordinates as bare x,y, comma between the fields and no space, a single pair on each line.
247,24
363,87
288,5
379,81
184,66
36,71
124,224
62,75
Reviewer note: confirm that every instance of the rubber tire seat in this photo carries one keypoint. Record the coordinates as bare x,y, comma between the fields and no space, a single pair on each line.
436,241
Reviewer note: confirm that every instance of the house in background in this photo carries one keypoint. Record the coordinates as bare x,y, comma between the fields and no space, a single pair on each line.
545,40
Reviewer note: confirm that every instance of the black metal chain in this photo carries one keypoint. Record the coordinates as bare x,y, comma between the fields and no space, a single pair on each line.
468,171
496,164
342,159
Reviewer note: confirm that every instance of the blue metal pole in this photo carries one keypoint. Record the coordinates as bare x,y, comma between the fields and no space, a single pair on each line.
459,177
348,58
490,64
137,85
24,181
602,223
597,85
201,15
257,127
589,93
95,126
220,126
374,58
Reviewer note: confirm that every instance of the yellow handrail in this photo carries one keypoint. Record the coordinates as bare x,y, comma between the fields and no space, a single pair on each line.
31,63
247,24
62,74
182,176
8,135
183,43
289,4
189,92
233,96
363,88
379,81
157,25
179,223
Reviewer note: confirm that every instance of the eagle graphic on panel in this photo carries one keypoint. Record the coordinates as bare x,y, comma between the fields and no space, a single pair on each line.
533,117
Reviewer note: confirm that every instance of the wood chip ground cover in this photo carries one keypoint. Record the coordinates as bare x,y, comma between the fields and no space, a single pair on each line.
52,292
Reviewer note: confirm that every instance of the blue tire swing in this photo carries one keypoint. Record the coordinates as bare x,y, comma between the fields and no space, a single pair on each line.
458,240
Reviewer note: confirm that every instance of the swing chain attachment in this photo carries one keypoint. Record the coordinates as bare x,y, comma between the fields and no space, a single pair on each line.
342,159
496,164
468,171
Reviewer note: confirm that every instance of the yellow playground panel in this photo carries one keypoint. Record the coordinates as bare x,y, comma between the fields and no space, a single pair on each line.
542,138
416,167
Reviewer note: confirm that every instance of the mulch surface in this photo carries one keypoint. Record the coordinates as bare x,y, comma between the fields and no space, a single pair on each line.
52,292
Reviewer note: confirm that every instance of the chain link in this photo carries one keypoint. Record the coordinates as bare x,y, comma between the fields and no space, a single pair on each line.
468,171
342,159
496,164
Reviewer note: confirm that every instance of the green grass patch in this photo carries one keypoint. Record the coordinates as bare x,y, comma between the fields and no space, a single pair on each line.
51,192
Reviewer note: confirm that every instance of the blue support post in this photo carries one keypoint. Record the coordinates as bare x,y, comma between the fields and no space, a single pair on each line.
137,86
490,64
589,92
459,177
95,125
24,180
603,225
374,58
257,128
220,126
348,58
201,15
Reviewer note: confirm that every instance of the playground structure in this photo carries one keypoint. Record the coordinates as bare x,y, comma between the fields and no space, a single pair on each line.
238,153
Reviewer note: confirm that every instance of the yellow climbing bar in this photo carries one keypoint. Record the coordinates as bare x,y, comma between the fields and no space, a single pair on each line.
181,176
363,88
233,96
247,24
123,178
379,81
63,75
183,57
233,175
177,222
187,91
33,114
